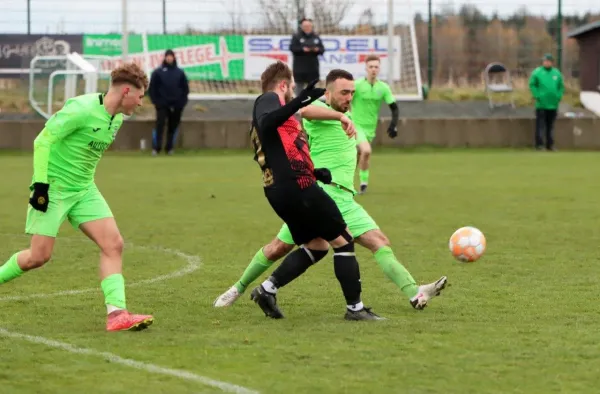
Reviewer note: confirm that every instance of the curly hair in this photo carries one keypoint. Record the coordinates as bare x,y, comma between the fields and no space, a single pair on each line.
130,73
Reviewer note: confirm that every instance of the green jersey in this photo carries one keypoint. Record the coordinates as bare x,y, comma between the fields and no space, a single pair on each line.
367,102
331,148
72,142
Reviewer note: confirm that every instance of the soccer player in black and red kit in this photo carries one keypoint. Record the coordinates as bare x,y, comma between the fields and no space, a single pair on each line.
289,180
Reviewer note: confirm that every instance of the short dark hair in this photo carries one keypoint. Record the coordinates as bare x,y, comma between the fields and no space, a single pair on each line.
336,74
130,73
276,72
372,57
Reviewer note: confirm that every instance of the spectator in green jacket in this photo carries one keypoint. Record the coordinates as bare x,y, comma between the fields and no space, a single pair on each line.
547,88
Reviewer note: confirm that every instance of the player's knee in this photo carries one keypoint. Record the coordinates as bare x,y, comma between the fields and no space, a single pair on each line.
344,239
381,240
277,249
38,258
317,244
344,250
114,245
374,240
365,150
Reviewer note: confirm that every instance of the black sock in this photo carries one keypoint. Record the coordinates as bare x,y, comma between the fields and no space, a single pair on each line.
294,265
348,273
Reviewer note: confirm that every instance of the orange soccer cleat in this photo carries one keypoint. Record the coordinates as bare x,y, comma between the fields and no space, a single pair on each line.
122,320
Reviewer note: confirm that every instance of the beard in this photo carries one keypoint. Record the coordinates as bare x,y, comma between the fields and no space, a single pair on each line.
288,96
338,107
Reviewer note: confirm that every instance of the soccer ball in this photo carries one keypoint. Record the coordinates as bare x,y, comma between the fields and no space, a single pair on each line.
467,244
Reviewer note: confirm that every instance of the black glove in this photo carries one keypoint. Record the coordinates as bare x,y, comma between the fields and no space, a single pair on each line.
392,131
310,93
39,199
323,175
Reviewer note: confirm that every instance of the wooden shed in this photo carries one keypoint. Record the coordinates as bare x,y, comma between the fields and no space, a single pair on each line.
588,38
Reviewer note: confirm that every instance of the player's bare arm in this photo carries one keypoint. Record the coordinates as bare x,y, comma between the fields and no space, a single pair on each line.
314,112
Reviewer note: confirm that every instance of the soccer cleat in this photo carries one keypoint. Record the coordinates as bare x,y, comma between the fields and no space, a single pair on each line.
363,314
426,292
267,302
122,320
227,298
363,188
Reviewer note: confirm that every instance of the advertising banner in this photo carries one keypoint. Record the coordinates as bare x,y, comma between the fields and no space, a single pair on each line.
17,50
347,52
201,57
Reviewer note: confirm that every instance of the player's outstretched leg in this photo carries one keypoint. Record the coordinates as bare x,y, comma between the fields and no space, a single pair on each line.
262,261
294,265
37,255
378,243
364,151
105,233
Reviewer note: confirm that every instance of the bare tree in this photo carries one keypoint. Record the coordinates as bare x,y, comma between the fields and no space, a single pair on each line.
279,15
366,17
237,16
329,15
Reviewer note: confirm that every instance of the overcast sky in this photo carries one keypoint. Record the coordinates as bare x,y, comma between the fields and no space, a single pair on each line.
78,16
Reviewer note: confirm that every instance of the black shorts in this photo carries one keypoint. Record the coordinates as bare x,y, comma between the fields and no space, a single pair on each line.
309,213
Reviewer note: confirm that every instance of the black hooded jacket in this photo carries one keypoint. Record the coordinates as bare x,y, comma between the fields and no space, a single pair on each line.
306,64
169,85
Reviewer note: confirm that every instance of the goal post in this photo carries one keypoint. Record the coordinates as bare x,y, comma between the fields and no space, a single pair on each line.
223,61
55,79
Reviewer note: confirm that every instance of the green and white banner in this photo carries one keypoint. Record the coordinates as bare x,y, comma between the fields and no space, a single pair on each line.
202,57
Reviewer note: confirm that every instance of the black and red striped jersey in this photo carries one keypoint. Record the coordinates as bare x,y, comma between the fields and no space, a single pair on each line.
280,146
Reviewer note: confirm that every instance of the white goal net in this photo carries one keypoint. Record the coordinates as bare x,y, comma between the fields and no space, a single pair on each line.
53,79
224,60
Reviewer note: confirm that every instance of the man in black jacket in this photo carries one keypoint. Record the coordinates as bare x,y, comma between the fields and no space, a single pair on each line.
169,89
306,46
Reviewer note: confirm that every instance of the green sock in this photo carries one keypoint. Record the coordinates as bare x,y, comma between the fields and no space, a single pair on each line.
394,270
10,270
113,287
256,268
363,175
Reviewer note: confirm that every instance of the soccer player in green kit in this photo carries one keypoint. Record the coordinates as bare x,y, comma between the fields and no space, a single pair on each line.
331,148
370,93
65,156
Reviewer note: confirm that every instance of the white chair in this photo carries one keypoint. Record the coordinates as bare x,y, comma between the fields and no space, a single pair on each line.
498,81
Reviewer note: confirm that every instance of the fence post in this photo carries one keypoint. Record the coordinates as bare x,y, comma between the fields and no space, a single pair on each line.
28,16
430,45
559,37
164,16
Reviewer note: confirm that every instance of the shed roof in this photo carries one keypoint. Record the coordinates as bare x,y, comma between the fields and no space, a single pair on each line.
584,29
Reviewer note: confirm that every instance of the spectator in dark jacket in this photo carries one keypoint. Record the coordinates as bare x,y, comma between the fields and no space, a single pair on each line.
168,91
306,46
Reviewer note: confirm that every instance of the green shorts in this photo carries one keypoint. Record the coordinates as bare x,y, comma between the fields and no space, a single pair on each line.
355,216
77,206
364,135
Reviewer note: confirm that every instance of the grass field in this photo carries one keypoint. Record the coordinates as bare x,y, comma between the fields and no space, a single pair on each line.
524,319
